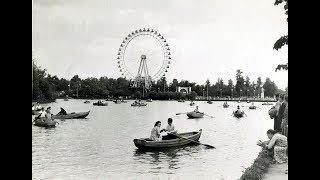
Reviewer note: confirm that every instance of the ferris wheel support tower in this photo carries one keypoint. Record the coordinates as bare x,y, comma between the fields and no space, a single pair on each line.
143,76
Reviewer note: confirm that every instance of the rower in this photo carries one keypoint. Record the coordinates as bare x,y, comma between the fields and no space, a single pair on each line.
238,109
62,111
197,109
171,131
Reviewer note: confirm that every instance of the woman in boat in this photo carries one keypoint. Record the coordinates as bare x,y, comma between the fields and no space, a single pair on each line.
278,145
170,129
156,132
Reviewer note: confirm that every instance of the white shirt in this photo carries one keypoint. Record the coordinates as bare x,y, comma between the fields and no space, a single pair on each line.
170,128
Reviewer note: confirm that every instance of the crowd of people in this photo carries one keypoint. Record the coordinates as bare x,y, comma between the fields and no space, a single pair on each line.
277,145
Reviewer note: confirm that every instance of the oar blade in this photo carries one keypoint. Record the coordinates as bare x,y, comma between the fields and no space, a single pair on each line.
209,146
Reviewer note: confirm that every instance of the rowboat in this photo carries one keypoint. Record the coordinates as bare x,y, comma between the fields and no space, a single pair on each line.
181,101
117,101
149,100
192,104
146,143
86,102
36,112
225,105
252,107
194,114
100,104
238,114
66,99
41,122
209,102
139,104
72,115
267,103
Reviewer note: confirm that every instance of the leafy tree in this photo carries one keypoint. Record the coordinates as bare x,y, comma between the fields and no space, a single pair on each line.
283,40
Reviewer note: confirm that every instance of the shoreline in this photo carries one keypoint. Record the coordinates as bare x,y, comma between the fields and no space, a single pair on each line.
259,167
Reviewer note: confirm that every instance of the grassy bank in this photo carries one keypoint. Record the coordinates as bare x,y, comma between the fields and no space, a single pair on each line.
259,167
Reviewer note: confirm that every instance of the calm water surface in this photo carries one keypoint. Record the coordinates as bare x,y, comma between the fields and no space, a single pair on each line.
101,146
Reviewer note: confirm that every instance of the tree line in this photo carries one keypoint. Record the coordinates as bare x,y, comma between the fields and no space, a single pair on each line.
46,87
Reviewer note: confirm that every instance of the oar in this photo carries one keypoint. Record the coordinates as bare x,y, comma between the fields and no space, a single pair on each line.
209,115
207,145
180,113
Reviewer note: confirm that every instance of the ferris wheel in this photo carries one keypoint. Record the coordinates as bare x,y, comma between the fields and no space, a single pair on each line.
143,64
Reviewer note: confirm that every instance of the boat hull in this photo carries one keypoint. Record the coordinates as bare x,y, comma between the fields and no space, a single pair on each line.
238,115
195,115
252,107
80,115
104,104
48,124
146,143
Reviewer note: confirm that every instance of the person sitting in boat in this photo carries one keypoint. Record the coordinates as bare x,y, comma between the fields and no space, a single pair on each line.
170,129
277,145
62,112
42,113
238,110
197,109
156,132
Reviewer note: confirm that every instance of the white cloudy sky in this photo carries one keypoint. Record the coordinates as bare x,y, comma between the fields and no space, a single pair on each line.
208,38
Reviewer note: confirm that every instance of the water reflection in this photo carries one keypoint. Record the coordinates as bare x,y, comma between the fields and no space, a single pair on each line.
171,156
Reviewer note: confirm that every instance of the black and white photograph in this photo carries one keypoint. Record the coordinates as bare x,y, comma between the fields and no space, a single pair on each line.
160,89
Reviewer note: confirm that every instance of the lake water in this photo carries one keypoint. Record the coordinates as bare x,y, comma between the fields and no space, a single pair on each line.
101,146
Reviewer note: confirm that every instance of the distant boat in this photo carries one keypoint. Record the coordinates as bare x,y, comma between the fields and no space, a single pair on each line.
252,107
267,103
194,114
79,115
181,100
238,114
138,104
225,105
149,100
192,103
86,102
99,103
66,99
209,102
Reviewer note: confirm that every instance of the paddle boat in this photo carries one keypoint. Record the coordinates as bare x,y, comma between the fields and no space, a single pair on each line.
42,123
73,115
188,137
195,114
238,114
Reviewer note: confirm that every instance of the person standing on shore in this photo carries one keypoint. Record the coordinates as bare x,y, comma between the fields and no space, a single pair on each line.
277,122
280,113
284,123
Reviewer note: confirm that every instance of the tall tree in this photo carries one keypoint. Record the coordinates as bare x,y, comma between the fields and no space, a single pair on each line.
239,83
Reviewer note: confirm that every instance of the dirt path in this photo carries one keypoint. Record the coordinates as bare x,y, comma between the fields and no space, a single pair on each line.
276,172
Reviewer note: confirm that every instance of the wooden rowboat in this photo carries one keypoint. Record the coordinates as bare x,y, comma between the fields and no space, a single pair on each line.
209,102
146,143
252,107
72,115
43,123
238,114
195,114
